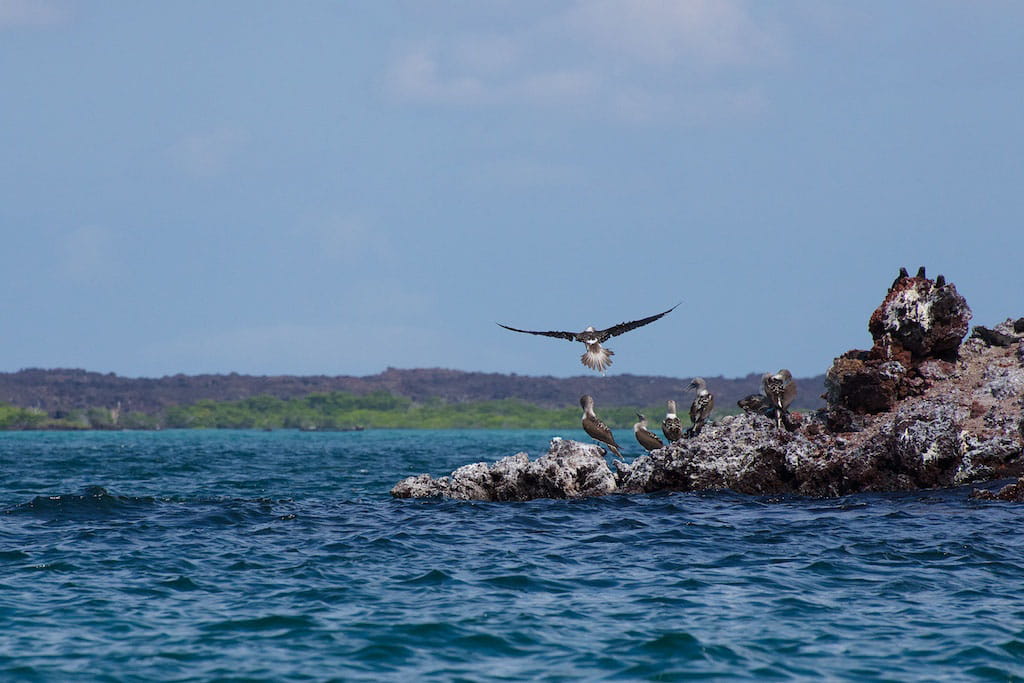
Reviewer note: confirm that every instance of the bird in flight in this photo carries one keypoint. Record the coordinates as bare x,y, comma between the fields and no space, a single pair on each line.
596,357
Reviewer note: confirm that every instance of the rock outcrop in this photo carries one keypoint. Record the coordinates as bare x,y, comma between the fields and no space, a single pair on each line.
1013,493
917,331
921,409
570,469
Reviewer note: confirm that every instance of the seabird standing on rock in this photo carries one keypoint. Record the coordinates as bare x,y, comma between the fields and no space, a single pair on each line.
903,275
703,404
754,403
671,427
920,273
780,390
648,439
593,425
596,357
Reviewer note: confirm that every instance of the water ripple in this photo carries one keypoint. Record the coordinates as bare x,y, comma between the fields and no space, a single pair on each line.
197,556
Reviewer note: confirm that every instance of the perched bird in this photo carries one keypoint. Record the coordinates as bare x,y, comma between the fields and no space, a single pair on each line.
648,439
593,425
902,276
702,405
754,403
920,273
671,427
780,390
596,357
940,280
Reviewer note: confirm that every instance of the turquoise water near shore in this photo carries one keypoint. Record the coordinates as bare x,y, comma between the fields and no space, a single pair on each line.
192,555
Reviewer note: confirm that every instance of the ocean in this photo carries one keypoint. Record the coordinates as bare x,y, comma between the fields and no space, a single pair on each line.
247,555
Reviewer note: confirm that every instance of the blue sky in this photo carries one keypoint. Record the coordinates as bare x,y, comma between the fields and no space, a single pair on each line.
339,187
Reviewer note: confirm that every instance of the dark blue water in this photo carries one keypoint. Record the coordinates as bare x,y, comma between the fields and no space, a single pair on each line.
281,556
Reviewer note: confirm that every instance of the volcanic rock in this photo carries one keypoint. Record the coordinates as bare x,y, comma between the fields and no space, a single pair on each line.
923,318
919,325
863,386
993,337
570,469
1011,492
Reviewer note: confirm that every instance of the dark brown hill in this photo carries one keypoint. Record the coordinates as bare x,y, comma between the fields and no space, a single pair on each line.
58,391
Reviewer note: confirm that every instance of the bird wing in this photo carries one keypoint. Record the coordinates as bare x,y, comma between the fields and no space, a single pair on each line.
788,394
571,336
621,328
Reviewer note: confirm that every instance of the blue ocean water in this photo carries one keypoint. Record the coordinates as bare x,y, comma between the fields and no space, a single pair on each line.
191,555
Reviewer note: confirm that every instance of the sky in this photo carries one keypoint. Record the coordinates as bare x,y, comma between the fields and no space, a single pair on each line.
336,188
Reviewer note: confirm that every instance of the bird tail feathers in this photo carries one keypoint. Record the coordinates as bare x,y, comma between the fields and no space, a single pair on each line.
597,358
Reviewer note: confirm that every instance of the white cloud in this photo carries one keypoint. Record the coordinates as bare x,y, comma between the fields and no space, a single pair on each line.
638,61
208,154
31,13
415,76
419,76
664,32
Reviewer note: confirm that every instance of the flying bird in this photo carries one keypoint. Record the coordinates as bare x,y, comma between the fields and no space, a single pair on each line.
648,439
593,425
780,390
596,356
702,405
671,427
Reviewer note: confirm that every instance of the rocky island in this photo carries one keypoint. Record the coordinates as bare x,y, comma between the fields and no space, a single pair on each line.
922,408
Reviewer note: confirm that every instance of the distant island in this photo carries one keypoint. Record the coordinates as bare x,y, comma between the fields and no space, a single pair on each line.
396,398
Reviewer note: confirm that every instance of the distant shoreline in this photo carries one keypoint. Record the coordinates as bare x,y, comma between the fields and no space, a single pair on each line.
63,399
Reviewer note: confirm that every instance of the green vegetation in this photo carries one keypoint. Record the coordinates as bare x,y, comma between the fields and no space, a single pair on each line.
377,410
12,417
332,411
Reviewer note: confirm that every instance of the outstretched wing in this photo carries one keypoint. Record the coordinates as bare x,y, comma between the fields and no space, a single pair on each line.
621,328
571,336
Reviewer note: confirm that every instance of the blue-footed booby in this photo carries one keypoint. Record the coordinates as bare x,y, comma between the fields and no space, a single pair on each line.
780,390
671,427
703,404
596,356
593,425
648,439
754,403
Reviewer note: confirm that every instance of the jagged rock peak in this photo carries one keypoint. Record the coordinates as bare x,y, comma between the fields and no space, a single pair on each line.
919,322
925,318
